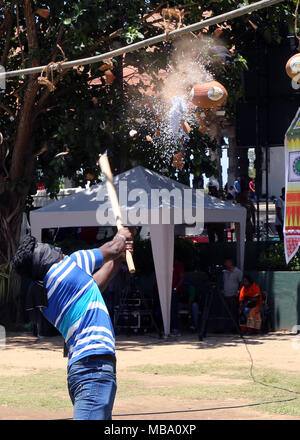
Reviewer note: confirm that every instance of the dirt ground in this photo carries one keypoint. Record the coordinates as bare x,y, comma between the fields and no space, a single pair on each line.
24,355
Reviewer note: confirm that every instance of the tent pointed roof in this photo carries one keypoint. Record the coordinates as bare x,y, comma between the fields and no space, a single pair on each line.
138,178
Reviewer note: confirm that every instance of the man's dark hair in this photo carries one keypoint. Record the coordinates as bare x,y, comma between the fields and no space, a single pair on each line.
34,259
22,261
228,258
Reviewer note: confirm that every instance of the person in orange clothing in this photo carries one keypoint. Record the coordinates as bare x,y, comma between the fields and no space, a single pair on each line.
250,302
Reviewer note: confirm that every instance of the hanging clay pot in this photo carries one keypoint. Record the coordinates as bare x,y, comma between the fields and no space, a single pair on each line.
106,66
209,94
109,77
157,132
43,12
293,67
94,100
90,176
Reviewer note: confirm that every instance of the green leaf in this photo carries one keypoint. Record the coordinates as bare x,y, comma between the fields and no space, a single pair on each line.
67,21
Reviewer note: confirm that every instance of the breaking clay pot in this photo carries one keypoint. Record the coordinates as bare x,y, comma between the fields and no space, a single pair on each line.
185,127
293,67
209,94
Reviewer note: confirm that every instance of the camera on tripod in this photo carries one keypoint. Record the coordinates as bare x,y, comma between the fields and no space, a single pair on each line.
214,273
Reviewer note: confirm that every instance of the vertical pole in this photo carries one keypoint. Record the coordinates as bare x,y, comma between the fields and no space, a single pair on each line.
258,155
267,190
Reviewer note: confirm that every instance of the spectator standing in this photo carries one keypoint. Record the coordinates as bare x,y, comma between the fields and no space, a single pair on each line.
252,190
232,278
230,193
250,220
237,188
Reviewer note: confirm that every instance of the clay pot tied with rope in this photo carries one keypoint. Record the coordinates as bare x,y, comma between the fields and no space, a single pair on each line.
209,94
43,12
107,65
109,77
293,67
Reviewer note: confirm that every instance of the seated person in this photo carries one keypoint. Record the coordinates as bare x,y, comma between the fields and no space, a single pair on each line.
250,303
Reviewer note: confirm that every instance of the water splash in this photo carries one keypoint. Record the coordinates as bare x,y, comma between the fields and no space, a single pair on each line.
171,104
178,113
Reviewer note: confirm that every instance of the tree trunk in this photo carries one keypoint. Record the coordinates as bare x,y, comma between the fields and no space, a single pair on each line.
15,188
15,185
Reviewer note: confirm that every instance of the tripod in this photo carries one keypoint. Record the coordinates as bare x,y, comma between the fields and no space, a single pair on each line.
210,296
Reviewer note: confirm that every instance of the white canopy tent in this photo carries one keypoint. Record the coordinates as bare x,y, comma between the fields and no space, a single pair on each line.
138,191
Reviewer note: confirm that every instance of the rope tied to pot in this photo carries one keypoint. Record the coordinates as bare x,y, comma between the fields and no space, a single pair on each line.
47,76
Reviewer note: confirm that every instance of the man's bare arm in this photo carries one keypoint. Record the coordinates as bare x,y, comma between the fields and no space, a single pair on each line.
114,248
113,254
104,275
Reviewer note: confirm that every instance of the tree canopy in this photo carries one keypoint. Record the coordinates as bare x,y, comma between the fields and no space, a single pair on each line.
56,124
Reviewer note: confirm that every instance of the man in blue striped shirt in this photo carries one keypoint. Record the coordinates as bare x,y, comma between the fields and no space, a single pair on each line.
76,308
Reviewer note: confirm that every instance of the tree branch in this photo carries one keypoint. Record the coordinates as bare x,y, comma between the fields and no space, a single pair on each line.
8,29
22,152
19,38
47,92
32,38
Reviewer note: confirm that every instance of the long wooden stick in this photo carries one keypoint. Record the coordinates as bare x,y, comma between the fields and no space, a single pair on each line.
106,170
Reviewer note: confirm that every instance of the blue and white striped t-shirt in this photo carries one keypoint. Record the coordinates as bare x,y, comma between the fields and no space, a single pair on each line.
76,307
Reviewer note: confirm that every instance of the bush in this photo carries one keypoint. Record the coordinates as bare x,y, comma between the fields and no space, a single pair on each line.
273,258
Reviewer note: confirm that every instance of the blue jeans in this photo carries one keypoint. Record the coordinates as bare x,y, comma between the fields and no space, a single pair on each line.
92,388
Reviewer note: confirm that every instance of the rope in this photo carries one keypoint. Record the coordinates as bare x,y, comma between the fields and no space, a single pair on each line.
48,70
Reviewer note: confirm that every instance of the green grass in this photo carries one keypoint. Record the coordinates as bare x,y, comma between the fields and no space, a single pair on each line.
272,399
46,389
192,369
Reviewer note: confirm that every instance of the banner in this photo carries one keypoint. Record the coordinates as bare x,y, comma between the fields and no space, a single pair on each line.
291,228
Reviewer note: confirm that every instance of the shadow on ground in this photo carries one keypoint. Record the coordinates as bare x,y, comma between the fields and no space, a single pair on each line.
19,340
137,342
